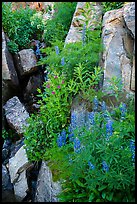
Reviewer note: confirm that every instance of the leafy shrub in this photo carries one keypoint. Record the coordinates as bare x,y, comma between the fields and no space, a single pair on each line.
10,134
53,116
57,28
107,6
96,163
17,25
73,54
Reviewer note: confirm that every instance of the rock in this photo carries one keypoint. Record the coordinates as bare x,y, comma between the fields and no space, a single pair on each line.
7,187
15,147
5,154
133,75
16,114
10,82
26,62
75,31
119,45
129,16
9,74
17,169
5,178
46,190
35,81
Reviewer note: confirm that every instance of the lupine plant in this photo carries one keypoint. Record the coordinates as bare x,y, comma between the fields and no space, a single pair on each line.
97,165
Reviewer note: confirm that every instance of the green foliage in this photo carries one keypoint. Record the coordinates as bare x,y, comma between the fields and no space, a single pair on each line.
73,53
13,47
115,87
57,28
55,101
84,80
5,134
80,183
10,134
107,6
36,140
17,25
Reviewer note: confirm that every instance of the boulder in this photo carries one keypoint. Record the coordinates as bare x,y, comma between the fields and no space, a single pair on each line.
16,114
118,48
17,170
46,190
5,178
7,187
26,62
129,16
75,31
10,82
9,74
35,81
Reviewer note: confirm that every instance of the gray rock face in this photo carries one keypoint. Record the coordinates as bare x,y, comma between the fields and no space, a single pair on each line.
26,61
129,16
47,190
9,74
75,31
16,114
7,188
5,177
119,44
34,82
17,169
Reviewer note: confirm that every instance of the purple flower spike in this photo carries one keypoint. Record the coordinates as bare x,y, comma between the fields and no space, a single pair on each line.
73,120
103,105
62,61
91,116
123,110
91,166
95,104
109,129
77,145
105,166
57,50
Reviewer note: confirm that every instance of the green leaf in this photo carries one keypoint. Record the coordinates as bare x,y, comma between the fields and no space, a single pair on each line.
110,196
79,183
102,187
103,195
91,197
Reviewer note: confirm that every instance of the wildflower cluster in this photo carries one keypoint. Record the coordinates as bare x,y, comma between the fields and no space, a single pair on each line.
123,110
132,149
61,140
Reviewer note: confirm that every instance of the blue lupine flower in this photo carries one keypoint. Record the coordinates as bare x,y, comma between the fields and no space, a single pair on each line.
106,115
77,145
57,50
73,120
70,129
71,137
62,61
103,106
84,34
109,129
105,166
95,104
123,110
132,148
81,119
91,166
63,134
91,116
59,141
